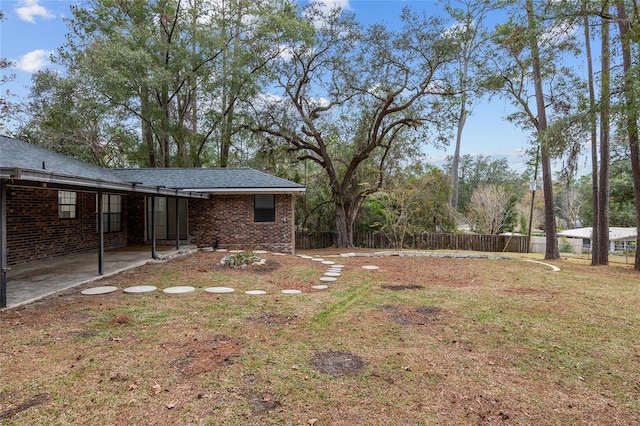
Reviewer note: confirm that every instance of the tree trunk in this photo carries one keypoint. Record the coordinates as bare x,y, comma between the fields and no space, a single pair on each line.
344,235
595,235
631,113
605,119
455,163
147,133
545,157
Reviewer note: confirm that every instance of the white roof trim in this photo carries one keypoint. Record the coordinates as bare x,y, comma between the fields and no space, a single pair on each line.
247,190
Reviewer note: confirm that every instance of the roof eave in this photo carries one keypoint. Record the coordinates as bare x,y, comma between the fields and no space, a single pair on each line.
235,191
46,178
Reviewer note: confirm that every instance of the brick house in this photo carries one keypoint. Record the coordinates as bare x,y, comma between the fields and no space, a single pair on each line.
49,207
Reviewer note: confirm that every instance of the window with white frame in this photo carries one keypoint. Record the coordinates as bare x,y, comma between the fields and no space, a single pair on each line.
67,204
112,212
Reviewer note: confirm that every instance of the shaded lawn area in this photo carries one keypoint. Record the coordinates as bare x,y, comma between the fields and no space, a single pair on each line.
422,340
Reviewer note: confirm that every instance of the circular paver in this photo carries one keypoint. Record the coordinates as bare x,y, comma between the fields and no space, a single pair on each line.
337,266
206,249
255,292
317,259
320,287
137,289
328,279
370,267
99,290
305,256
332,274
219,290
221,250
235,251
328,262
180,289
279,254
260,251
291,291
334,269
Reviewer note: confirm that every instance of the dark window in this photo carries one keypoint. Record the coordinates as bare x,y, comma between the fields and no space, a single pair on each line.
264,209
67,205
112,212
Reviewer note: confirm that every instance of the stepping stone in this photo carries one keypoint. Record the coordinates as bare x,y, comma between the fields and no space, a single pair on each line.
206,249
332,274
337,266
260,251
219,290
320,287
255,292
221,250
334,269
279,254
328,279
305,256
235,251
180,289
291,291
137,289
317,259
370,267
328,262
99,290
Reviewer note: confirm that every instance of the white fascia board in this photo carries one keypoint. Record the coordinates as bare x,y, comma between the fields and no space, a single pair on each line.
247,190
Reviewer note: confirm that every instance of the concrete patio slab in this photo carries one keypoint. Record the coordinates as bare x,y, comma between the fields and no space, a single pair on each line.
29,282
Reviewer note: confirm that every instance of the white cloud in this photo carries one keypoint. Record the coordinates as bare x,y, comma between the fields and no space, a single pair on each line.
34,61
332,4
28,10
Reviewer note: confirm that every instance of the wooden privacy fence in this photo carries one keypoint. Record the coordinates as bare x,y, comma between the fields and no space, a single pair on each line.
424,241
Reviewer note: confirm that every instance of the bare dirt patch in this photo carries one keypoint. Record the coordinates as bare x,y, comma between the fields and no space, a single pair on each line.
406,315
337,363
274,319
38,399
203,355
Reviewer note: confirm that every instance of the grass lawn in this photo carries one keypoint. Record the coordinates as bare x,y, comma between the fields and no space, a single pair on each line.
420,341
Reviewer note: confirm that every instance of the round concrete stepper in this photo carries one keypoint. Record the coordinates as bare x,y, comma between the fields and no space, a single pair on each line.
291,291
235,251
99,290
337,266
180,289
334,269
137,289
260,251
305,256
206,249
328,279
219,290
255,292
332,274
317,259
328,262
370,267
320,287
221,250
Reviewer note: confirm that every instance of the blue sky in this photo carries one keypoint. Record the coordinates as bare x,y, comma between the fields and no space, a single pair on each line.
33,29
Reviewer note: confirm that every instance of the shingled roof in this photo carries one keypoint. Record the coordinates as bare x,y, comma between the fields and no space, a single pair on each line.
22,161
211,180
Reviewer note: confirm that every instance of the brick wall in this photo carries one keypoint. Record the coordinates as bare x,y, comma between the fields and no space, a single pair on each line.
226,221
34,230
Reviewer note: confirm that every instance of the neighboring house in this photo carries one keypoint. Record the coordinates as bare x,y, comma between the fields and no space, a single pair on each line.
49,206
